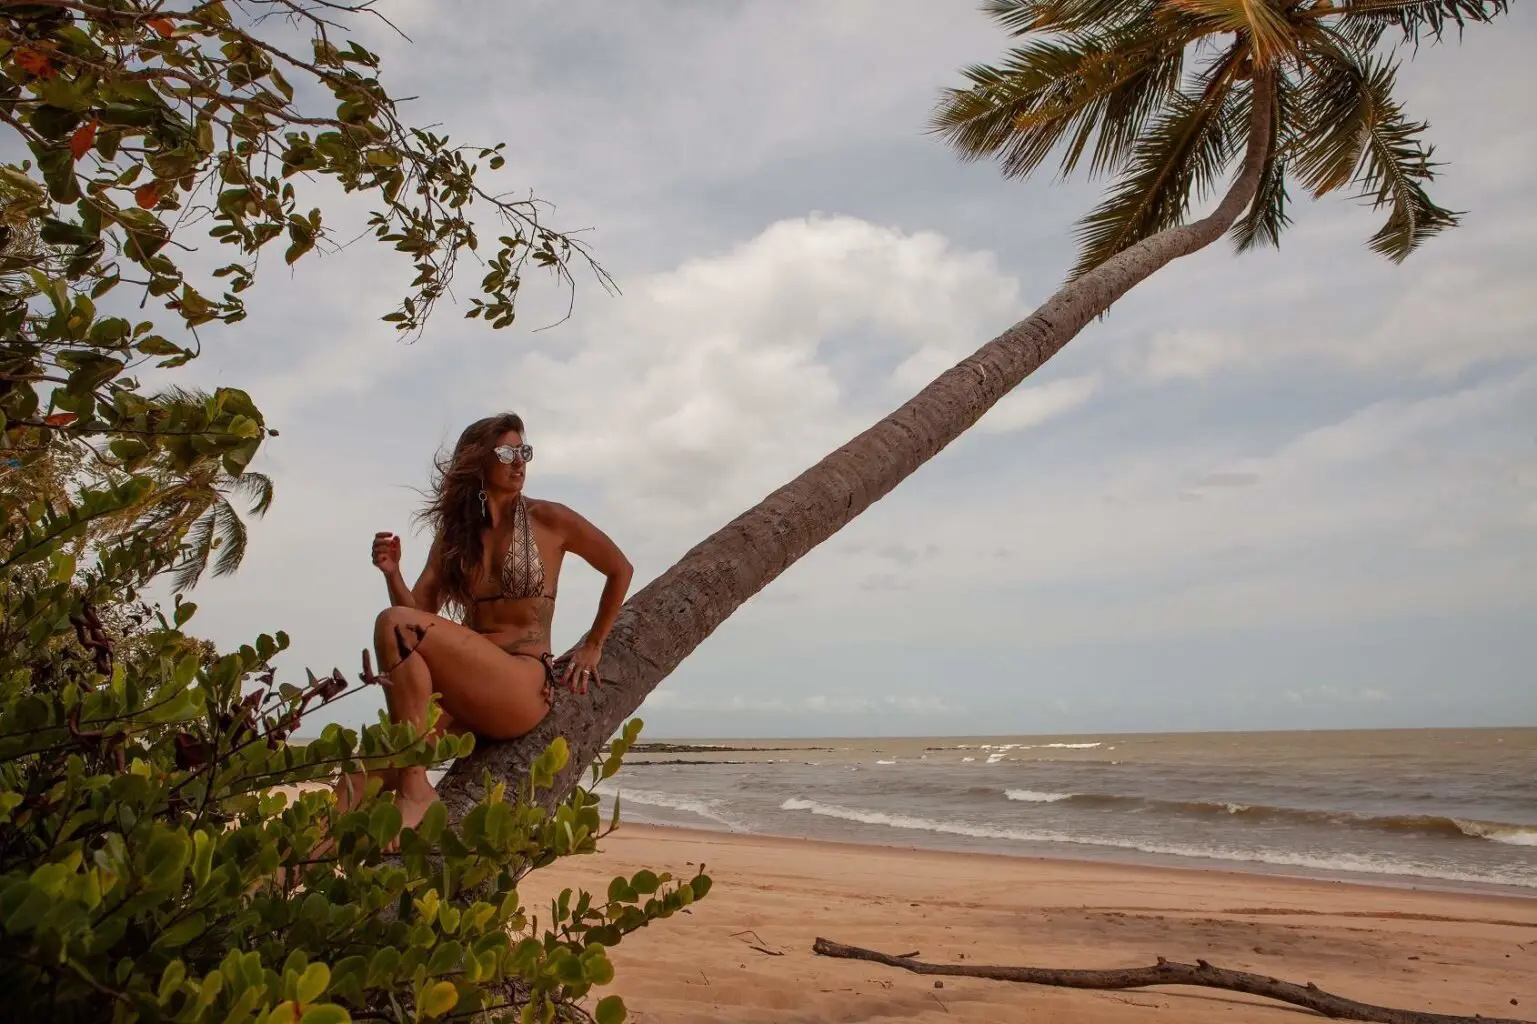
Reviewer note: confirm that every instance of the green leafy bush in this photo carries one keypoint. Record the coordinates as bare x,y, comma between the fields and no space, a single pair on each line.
167,853
148,871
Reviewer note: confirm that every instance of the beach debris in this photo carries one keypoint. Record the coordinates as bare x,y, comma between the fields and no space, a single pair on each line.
1165,972
757,942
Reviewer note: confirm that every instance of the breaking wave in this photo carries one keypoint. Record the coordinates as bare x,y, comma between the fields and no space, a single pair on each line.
1352,862
1422,824
710,810
1031,796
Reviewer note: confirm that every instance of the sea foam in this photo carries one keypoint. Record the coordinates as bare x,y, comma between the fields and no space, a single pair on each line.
1030,796
1317,861
707,809
1511,835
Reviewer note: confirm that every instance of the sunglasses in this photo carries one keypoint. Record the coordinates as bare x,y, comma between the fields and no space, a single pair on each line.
508,452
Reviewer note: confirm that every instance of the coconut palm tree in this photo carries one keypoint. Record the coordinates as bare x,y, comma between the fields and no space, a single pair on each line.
1169,97
216,524
197,510
190,515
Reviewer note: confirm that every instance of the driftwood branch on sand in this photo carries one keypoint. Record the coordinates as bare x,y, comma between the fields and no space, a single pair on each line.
1200,974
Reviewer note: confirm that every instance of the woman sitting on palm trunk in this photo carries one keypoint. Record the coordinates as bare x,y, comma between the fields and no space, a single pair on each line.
495,559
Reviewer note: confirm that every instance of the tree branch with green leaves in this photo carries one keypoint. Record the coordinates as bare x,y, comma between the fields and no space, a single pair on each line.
148,869
150,128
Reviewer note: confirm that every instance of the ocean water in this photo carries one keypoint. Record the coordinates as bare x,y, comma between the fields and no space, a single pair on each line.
1445,808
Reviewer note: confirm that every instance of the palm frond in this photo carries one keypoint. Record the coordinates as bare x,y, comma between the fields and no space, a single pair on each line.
1354,132
178,395
1022,17
1180,155
1334,117
1064,93
255,488
1267,217
232,539
196,547
1396,163
1269,33
1366,21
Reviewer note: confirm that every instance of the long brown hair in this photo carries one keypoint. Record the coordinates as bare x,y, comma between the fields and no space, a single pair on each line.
454,510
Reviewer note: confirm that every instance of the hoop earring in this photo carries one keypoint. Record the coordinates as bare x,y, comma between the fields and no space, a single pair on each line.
485,511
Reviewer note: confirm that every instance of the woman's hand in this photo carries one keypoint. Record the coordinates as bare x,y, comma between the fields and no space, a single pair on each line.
583,668
387,553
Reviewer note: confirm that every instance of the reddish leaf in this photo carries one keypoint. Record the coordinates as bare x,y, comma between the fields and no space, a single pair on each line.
163,26
190,752
147,195
84,138
60,419
34,63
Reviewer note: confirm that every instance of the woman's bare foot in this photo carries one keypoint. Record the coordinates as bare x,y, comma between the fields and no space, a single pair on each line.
413,799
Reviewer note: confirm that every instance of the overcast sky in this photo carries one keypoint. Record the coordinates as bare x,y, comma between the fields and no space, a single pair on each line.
1291,489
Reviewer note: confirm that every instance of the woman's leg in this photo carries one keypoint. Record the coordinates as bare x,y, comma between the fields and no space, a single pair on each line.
481,687
349,789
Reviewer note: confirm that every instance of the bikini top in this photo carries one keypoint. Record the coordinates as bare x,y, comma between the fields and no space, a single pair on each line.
522,571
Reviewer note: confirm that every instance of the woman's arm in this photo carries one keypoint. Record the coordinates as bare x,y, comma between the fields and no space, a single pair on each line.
426,595
595,548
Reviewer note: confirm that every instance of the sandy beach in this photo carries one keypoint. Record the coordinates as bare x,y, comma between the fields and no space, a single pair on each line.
1427,950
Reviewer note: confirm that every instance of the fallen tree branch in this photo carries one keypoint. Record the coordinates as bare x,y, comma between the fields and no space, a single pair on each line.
1200,974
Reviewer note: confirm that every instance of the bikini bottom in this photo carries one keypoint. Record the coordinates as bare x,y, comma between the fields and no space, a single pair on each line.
552,669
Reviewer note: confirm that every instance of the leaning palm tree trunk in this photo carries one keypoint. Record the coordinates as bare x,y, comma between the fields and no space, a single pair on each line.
663,623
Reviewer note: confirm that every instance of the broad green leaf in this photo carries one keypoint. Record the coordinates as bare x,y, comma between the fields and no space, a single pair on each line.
610,1010
165,859
313,982
384,823
182,932
598,970
439,998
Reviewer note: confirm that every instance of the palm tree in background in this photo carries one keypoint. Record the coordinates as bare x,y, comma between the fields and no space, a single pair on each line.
200,509
195,517
216,525
1168,97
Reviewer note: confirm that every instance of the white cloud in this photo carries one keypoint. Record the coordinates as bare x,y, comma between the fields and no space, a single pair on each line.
731,89
1274,537
1176,354
1028,406
1461,302
708,385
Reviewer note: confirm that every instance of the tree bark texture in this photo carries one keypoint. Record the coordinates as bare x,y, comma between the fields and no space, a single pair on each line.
663,623
1200,974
